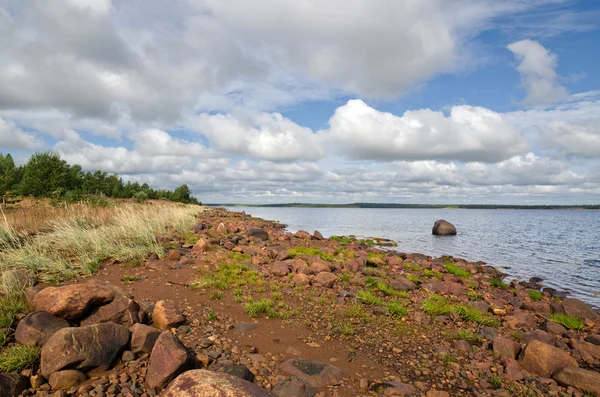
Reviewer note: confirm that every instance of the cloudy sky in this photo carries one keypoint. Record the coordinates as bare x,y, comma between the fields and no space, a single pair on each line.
250,101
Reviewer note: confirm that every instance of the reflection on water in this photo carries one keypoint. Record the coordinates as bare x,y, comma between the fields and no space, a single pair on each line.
560,246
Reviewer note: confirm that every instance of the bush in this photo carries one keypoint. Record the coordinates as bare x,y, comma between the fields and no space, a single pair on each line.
140,197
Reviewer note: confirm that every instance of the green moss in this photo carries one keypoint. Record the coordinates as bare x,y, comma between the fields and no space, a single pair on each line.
474,296
368,298
498,283
339,256
430,273
535,295
227,275
457,271
239,257
413,278
354,311
18,358
129,279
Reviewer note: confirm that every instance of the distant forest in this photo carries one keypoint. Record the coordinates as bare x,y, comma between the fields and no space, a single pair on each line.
392,205
47,175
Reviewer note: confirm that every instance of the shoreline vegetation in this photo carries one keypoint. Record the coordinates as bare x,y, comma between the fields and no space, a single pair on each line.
430,206
182,287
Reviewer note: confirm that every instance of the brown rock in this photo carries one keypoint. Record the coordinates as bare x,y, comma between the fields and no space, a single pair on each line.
542,359
73,302
480,306
576,308
539,335
303,235
537,307
280,269
37,327
166,315
317,266
91,347
13,384
301,279
202,245
505,347
445,287
324,279
120,311
294,387
143,338
520,320
316,373
31,293
203,383
221,229
174,255
554,328
402,284
198,227
168,359
589,348
161,266
512,369
258,233
443,228
463,346
317,235
582,379
437,393
593,338
63,380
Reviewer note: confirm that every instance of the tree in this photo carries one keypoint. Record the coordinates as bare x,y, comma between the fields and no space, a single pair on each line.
8,174
44,174
182,194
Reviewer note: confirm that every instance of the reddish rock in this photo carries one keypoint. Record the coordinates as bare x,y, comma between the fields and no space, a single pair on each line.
174,255
297,265
31,293
543,360
161,266
73,302
463,346
36,328
63,380
316,373
303,235
576,308
554,328
280,269
168,359
317,266
258,233
221,229
203,383
505,347
537,307
582,379
166,315
375,261
294,387
589,348
512,369
539,335
198,227
92,347
202,245
352,265
120,311
402,284
301,279
143,338
520,320
324,279
437,393
317,235
445,287
443,228
13,384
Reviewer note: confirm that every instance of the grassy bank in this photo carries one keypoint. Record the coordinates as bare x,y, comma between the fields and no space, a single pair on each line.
79,237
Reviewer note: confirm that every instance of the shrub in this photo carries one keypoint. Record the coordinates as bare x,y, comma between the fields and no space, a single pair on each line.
263,306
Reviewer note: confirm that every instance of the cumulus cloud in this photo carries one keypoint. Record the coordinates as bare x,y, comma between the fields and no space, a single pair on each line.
153,142
12,137
467,134
538,73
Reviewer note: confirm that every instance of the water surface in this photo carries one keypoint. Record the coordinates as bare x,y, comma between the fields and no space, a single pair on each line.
561,246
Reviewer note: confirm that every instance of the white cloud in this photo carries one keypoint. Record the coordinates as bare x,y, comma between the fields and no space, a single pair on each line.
154,142
468,134
538,75
12,137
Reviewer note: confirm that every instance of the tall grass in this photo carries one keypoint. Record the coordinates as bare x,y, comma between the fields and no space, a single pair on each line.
81,237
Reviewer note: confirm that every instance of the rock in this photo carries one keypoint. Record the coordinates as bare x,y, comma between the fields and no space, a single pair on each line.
280,269
120,311
402,284
488,333
437,393
13,384
576,308
443,228
593,338
31,293
63,380
505,347
316,373
539,335
445,287
589,348
166,315
202,245
317,235
542,359
239,370
324,279
394,388
582,379
127,356
91,347
203,383
73,302
143,338
258,233
294,387
301,279
303,235
463,346
168,359
480,306
520,320
161,266
173,255
554,328
198,227
537,307
222,229
37,327
244,328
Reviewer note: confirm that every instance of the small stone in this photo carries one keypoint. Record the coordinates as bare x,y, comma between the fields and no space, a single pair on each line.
166,315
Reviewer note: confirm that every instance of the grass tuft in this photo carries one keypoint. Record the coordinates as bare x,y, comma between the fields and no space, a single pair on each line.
498,283
567,321
396,309
535,295
263,306
437,305
18,357
457,271
368,298
10,305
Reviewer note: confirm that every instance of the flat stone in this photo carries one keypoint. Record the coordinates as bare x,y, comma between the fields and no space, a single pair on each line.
203,383
537,307
120,311
73,302
244,328
445,287
316,373
587,347
294,387
582,379
63,380
37,327
402,284
520,320
576,308
324,279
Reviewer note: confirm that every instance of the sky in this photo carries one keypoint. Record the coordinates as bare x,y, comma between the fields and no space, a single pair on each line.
337,101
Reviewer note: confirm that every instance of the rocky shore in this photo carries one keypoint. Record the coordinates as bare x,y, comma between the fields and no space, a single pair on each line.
238,306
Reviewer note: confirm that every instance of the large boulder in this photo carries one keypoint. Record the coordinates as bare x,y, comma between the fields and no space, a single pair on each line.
203,383
582,379
37,327
443,228
505,347
85,348
316,373
166,315
258,233
73,302
294,387
324,279
576,308
543,360
121,310
143,338
168,359
13,384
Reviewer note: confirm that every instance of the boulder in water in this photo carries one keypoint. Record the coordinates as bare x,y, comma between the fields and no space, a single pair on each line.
443,228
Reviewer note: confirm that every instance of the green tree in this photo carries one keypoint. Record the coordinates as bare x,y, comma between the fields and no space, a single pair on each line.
45,174
8,174
182,194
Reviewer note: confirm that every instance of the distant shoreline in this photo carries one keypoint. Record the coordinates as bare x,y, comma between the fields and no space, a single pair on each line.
424,206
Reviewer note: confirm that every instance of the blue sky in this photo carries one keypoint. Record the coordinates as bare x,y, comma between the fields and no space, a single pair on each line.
436,101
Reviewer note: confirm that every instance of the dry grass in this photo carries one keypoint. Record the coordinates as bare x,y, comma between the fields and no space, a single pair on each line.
79,237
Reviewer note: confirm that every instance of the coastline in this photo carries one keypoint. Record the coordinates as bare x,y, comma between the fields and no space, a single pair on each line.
344,318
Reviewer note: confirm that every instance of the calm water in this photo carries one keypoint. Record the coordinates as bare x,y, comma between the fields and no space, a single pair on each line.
562,247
